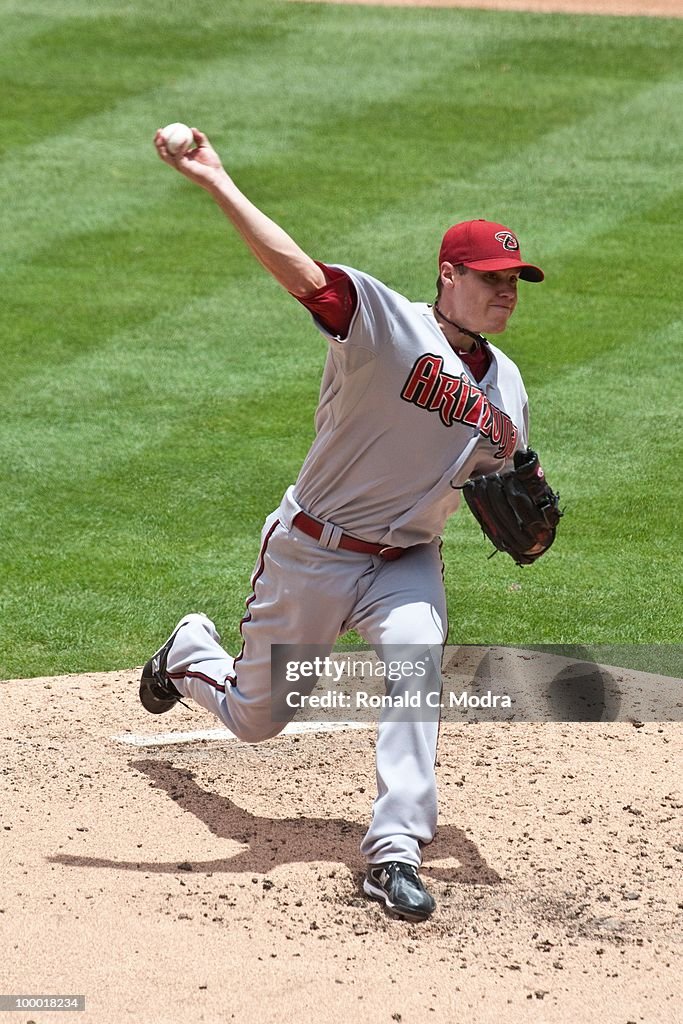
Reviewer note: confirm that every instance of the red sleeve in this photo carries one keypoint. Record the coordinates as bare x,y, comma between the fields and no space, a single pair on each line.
334,304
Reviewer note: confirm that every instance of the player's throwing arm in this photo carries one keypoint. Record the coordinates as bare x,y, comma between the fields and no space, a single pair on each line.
272,247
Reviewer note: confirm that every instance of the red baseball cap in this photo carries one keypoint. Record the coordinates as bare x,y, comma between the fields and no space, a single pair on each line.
483,245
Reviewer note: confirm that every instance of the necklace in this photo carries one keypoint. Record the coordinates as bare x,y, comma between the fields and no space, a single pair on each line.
479,338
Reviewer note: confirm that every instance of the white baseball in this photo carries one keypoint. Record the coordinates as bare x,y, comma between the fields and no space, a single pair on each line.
178,138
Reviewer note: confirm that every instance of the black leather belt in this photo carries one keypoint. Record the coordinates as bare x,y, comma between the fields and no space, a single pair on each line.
314,528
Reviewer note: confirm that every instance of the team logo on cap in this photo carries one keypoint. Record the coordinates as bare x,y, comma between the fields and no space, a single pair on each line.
507,240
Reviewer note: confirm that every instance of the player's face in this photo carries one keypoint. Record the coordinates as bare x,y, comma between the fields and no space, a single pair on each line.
484,300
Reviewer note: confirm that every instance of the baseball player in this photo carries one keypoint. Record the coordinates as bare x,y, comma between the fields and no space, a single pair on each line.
414,401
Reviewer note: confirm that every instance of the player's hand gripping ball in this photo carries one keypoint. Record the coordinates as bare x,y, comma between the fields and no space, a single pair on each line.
177,137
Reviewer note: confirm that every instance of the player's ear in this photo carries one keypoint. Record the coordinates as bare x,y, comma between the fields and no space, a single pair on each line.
447,274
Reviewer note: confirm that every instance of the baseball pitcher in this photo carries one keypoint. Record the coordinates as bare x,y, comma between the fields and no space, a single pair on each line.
415,404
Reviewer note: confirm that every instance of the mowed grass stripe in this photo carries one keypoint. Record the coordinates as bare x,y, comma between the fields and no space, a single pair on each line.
599,413
185,523
164,356
96,55
101,156
238,88
159,445
386,231
213,346
563,190
127,395
622,416
157,186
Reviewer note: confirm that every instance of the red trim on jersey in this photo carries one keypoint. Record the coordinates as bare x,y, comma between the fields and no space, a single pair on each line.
334,304
250,600
198,675
478,361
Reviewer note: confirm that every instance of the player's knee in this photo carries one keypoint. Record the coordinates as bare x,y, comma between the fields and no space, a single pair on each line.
415,627
413,637
257,732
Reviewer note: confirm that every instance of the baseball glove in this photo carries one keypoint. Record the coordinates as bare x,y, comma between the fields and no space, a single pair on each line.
518,511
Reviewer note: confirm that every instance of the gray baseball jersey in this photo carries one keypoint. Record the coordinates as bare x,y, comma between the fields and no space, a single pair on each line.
401,424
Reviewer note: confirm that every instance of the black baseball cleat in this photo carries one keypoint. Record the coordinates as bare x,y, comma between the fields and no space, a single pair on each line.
157,692
400,887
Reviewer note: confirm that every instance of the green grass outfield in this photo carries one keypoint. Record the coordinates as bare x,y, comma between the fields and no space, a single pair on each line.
158,389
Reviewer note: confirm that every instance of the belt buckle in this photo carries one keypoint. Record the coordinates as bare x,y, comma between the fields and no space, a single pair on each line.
395,553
